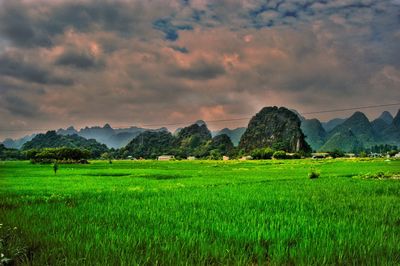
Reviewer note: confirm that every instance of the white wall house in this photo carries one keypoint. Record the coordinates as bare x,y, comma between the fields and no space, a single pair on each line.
166,157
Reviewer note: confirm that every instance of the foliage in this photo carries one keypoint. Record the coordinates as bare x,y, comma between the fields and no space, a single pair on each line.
223,144
360,128
194,140
215,155
263,153
382,148
344,141
150,144
52,140
280,155
363,154
10,154
315,134
64,154
336,154
313,174
277,128
203,213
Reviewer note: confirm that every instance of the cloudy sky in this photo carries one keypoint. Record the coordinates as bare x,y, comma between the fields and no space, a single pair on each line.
88,62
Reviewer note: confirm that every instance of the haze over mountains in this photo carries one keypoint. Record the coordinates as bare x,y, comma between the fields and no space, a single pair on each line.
351,134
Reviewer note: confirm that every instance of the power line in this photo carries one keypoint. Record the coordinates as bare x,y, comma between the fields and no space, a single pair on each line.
208,121
308,113
225,120
353,108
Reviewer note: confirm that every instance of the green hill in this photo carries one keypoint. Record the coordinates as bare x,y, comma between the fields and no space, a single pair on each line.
315,134
277,128
344,141
222,143
52,140
150,144
233,134
360,126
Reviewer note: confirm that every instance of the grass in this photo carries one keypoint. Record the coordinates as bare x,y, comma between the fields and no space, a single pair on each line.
201,212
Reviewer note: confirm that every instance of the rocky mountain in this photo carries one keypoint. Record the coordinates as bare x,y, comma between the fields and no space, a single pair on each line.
315,134
17,143
233,134
68,131
331,124
383,130
302,118
277,128
222,143
113,138
53,140
360,126
192,140
150,144
391,134
386,117
345,141
396,120
379,126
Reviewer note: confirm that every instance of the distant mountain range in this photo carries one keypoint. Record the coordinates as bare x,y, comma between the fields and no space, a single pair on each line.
17,143
118,137
353,133
113,138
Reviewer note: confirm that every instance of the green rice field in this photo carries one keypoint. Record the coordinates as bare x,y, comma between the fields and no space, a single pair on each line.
201,213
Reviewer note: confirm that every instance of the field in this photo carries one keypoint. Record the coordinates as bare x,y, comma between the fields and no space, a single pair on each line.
201,212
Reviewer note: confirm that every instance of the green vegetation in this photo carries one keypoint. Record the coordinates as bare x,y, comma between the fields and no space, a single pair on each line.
201,212
314,133
276,128
194,140
265,153
313,174
344,141
52,140
10,154
65,155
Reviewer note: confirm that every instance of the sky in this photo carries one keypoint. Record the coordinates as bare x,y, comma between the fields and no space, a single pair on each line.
91,62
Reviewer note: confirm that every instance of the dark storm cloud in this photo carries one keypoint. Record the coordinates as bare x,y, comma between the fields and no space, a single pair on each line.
199,70
16,66
20,107
80,60
87,61
29,24
17,25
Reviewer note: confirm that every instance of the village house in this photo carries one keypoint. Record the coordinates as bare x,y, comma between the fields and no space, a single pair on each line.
166,157
320,155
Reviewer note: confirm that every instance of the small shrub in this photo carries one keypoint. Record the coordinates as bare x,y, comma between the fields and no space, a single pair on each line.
313,174
280,155
265,153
